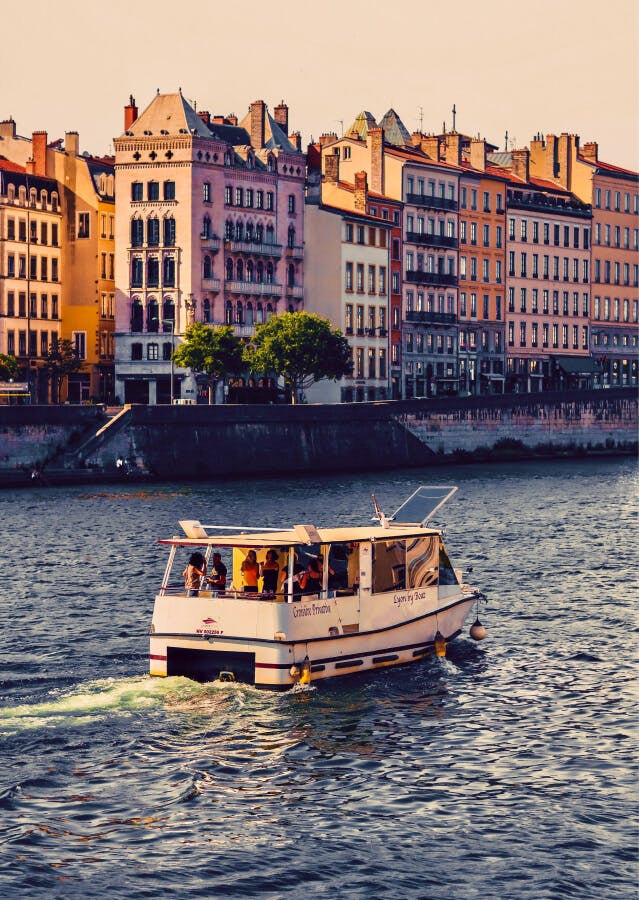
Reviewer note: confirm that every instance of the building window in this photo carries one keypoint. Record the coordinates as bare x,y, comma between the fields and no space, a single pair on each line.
169,190
348,272
169,232
79,341
136,351
153,191
153,351
291,203
137,192
153,232
84,220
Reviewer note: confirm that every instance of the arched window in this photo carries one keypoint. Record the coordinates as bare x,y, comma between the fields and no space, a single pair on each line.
269,311
167,350
239,231
169,232
136,316
291,275
152,272
239,313
206,310
291,203
239,269
259,315
33,197
291,236
54,202
229,270
152,351
249,270
259,272
153,232
249,313
270,234
206,227
271,164
152,316
291,308
44,198
228,313
206,192
168,271
259,233
137,232
206,267
228,230
249,231
168,314
269,273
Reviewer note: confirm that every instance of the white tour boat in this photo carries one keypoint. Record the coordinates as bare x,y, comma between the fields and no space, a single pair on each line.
386,594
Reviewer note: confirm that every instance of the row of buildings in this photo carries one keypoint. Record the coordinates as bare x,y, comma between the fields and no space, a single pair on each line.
450,266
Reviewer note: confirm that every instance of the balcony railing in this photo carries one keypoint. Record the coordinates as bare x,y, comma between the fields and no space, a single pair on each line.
430,201
210,243
432,240
254,247
253,287
425,317
294,252
211,284
243,331
416,277
295,290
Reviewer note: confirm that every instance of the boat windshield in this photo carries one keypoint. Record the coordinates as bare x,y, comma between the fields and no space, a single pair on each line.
422,505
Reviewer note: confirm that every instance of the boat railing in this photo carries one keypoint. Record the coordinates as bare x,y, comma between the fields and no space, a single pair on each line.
231,593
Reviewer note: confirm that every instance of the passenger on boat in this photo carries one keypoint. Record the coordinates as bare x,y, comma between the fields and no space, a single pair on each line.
218,578
311,579
193,574
297,589
250,571
269,571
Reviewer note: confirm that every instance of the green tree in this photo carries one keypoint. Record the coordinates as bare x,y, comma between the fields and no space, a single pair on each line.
216,351
60,362
8,366
302,348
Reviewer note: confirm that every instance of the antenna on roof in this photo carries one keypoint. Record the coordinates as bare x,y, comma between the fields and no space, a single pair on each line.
421,118
341,122
506,140
454,111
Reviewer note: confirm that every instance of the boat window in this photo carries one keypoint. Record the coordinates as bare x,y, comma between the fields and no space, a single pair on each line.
446,572
422,561
389,566
343,562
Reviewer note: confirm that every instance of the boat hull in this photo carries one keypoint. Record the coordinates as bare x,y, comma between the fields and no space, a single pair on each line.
330,637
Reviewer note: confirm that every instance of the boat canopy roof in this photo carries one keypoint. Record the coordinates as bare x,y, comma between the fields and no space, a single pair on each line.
300,535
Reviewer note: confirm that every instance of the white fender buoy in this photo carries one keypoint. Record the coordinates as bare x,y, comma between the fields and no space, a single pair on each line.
294,671
440,644
477,631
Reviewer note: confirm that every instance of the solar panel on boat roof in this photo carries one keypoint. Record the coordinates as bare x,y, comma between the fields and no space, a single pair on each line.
422,505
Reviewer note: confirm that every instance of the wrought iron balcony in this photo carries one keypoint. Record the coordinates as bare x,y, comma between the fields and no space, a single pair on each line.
430,201
210,243
416,277
430,240
211,284
424,317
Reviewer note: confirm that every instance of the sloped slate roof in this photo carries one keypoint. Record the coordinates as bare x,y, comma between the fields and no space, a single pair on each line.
395,132
274,136
360,126
171,114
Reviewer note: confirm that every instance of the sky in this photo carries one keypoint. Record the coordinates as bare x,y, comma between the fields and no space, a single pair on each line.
546,66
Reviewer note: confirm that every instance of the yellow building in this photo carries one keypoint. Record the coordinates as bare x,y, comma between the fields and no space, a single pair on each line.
86,187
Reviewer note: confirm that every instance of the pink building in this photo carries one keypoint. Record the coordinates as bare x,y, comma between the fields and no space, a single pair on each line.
209,228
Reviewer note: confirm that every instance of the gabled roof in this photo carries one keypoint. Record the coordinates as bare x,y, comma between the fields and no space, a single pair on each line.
395,132
274,136
359,128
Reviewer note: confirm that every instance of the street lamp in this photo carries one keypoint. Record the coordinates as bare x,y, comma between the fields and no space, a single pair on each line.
171,323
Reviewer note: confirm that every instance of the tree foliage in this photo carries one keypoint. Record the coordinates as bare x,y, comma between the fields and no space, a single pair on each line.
215,351
302,348
9,366
61,361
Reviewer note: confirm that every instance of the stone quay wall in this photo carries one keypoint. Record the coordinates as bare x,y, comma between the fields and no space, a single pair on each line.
205,442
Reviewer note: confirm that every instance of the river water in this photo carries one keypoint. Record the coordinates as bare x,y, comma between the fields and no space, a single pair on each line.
506,770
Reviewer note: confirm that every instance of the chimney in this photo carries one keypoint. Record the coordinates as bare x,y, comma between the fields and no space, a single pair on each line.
376,155
30,166
205,115
39,152
327,138
550,168
361,191
130,113
258,121
296,140
7,128
430,146
564,158
231,119
478,154
453,149
280,114
331,167
590,151
521,164
72,143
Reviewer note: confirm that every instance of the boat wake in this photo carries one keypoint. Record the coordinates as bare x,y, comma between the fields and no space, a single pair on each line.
103,697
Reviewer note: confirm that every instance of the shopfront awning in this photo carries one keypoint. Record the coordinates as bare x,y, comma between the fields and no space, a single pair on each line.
578,365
